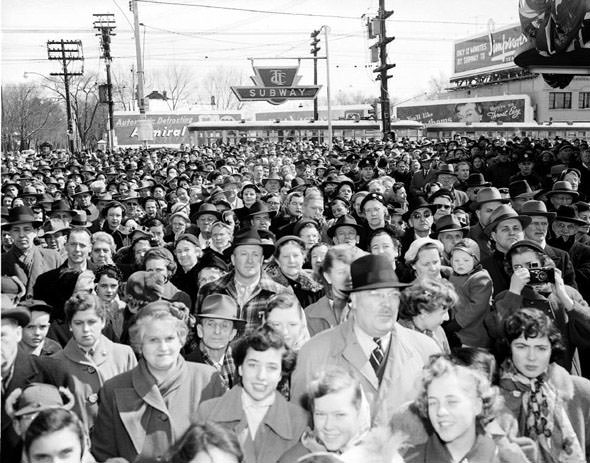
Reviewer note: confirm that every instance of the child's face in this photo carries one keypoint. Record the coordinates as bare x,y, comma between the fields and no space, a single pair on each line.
462,262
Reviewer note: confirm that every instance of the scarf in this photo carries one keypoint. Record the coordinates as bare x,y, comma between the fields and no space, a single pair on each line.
545,418
170,383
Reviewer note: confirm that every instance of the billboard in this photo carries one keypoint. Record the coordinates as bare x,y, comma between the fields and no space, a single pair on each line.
168,129
487,52
495,109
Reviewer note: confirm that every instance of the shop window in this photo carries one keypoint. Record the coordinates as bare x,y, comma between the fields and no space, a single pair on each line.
560,100
584,101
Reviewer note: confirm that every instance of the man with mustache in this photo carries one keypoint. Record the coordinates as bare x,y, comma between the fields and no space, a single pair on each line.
386,356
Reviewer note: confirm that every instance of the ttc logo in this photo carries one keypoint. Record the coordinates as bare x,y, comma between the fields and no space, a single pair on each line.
276,76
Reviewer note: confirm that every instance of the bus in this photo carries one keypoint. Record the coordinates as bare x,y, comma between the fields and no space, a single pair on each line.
566,130
234,132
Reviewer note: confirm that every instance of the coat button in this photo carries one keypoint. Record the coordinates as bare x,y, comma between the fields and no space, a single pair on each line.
91,370
164,417
93,398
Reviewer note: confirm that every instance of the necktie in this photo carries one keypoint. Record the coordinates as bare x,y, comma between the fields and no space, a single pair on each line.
376,355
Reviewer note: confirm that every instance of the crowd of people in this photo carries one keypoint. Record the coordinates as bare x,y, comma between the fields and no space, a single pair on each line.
382,301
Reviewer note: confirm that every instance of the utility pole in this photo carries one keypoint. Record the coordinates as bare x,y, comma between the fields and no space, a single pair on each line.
66,51
330,131
138,57
314,52
105,24
377,29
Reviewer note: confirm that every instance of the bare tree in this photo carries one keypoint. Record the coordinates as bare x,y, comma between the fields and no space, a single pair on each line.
216,85
437,85
353,97
28,117
178,83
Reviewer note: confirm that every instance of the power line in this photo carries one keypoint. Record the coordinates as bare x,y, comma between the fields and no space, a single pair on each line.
250,10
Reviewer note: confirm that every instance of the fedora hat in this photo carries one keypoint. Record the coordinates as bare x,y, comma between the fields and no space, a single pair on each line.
536,208
250,237
520,189
502,213
30,190
82,190
61,205
568,214
273,177
445,169
19,314
221,307
562,187
80,220
488,195
476,180
419,202
208,208
345,221
20,215
106,196
182,214
51,227
373,272
259,208
450,223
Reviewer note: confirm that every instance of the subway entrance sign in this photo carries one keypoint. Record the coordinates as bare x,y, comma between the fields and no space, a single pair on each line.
300,92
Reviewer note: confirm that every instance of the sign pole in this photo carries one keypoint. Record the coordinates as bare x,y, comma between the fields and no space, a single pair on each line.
330,134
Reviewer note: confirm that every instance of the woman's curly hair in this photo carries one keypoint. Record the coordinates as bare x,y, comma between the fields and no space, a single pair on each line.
440,366
427,295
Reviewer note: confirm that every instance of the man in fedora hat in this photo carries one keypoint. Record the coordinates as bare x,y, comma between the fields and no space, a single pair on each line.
563,228
505,228
386,357
260,216
420,218
55,286
449,231
520,192
345,231
561,194
422,176
217,326
205,217
487,200
24,259
19,369
248,284
447,177
83,198
537,231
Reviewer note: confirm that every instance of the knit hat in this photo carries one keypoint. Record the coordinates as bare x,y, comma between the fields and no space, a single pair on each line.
469,246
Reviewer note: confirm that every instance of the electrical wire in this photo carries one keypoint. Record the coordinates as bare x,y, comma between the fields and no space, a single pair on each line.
249,10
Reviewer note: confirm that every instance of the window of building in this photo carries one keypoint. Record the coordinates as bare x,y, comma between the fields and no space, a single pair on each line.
560,100
584,102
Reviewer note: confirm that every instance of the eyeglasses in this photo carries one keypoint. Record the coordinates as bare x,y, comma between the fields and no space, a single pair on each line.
393,293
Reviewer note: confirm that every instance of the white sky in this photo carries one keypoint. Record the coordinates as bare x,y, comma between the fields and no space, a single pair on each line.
206,38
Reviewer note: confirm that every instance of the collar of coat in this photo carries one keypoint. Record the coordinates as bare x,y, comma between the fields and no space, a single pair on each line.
101,352
229,409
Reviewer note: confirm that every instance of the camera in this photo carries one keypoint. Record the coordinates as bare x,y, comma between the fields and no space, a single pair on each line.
541,275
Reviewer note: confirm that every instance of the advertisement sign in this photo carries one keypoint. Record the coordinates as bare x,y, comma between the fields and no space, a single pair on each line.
488,52
167,129
467,110
276,84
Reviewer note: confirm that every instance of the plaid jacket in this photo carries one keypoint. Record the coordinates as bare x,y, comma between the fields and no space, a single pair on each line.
253,310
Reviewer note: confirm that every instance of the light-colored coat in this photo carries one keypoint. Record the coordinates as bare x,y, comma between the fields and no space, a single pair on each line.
88,374
133,419
43,261
407,354
280,429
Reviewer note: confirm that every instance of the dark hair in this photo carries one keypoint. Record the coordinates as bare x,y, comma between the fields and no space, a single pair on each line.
51,421
384,231
154,222
477,358
161,253
533,323
203,438
80,302
545,260
261,339
426,296
110,270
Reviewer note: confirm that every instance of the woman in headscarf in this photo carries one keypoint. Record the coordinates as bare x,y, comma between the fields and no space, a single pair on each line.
144,411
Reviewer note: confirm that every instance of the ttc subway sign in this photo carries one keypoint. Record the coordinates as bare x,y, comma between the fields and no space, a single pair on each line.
276,84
